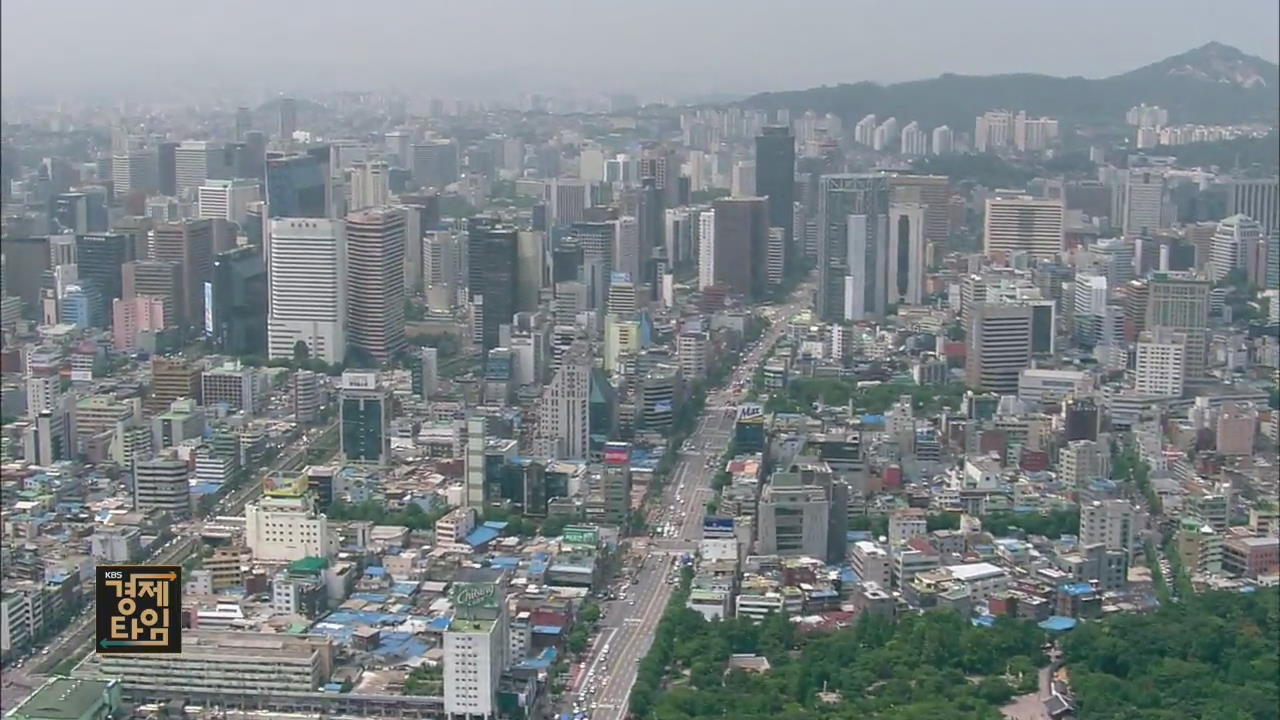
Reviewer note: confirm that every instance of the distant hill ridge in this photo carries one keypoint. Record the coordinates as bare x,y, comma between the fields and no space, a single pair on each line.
1214,83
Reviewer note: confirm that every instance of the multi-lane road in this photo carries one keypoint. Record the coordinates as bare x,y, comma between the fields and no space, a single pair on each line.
628,625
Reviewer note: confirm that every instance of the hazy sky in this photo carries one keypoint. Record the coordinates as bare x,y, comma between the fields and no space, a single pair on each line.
486,48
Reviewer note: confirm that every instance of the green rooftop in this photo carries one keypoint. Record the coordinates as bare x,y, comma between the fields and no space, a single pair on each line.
309,566
70,699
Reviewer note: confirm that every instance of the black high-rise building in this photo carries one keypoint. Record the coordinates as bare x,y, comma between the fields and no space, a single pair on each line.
296,186
251,159
100,259
492,262
239,297
244,122
167,171
775,179
652,218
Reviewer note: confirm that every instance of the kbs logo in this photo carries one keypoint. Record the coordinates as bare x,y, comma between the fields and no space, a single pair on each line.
139,609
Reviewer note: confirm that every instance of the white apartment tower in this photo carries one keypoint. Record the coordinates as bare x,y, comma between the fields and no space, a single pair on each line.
306,288
1160,363
914,141
943,141
706,249
864,132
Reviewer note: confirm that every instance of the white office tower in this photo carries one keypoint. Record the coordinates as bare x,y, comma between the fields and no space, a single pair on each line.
564,408
163,484
743,183
706,249
943,141
993,131
1160,363
306,288
369,184
133,171
914,142
567,201
227,199
476,647
590,163
1022,223
905,281
440,269
775,255
864,132
865,294
1144,199
192,162
430,359
1082,461
1234,243
885,136
626,249
691,354
399,144
623,295
475,487
284,526
43,395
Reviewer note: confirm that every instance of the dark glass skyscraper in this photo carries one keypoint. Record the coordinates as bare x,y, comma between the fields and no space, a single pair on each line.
100,258
239,295
775,179
492,260
296,185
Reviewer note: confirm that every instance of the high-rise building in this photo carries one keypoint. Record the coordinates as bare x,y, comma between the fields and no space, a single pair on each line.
100,259
1235,247
650,217
1180,301
1259,199
476,484
914,142
297,186
133,172
195,162
476,647
886,136
993,131
864,132
190,244
775,180
492,260
163,281
659,162
793,517
435,163
369,183
564,417
691,354
775,256
706,249
307,288
999,346
933,194
440,269
227,199
1021,223
852,262
244,121
943,141
1160,363
1145,192
375,282
906,254
741,245
238,294
567,201
162,484
288,123
1114,523
365,417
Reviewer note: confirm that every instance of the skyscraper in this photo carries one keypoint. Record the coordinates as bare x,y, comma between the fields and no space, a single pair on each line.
288,118
741,245
365,417
1260,200
190,244
1021,223
943,141
194,162
999,346
369,184
158,279
906,254
239,296
227,199
1180,301
1144,199
297,186
307,289
851,254
775,181
651,218
375,282
1235,247
244,122
914,142
435,163
100,259
492,273
564,420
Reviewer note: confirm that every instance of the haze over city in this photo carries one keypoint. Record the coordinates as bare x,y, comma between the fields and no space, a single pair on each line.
663,49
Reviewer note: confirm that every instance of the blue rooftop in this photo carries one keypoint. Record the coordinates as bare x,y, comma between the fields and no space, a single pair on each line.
1058,623
439,624
545,659
546,630
857,535
985,621
497,524
848,576
482,535
1076,589
375,570
504,561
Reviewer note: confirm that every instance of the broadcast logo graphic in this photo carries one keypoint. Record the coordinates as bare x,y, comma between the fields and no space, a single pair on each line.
139,609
